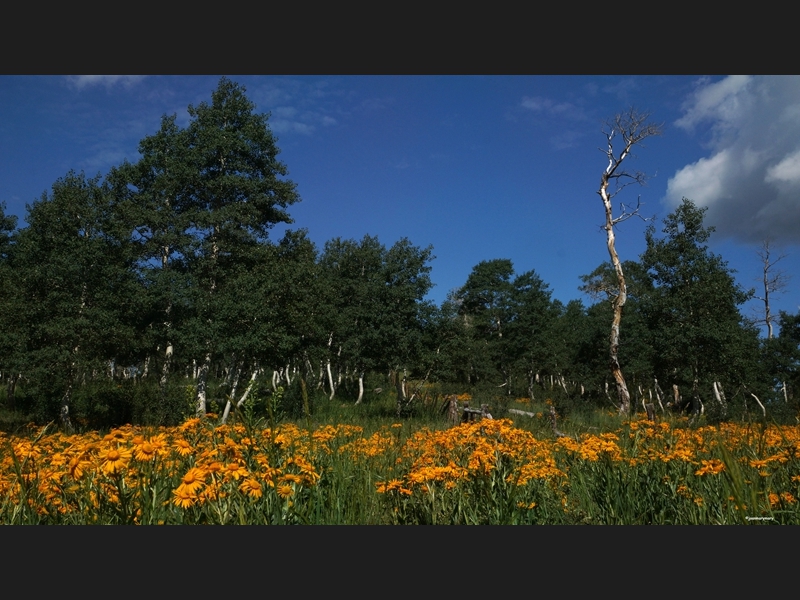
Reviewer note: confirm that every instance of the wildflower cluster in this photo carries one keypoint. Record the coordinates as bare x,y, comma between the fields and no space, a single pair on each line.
192,473
488,471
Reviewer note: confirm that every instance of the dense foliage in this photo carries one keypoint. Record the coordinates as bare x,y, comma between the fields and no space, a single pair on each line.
156,293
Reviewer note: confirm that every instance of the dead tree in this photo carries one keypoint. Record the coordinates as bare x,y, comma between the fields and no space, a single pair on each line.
774,282
450,410
633,128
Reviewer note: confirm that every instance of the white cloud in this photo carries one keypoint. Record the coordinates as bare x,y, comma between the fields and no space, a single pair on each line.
288,126
552,108
82,81
702,181
298,106
622,89
286,119
723,102
750,181
786,171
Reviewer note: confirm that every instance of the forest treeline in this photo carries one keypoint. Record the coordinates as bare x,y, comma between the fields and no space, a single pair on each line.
156,291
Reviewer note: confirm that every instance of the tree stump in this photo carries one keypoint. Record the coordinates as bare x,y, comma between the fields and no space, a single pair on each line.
450,410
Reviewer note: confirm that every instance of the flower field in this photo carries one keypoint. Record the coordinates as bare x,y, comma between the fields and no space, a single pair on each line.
485,472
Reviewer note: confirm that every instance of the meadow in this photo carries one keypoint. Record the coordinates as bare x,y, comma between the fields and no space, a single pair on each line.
358,465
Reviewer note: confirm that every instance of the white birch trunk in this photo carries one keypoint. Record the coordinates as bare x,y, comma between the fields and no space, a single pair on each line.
400,386
65,420
231,398
249,388
330,380
360,388
202,379
633,128
763,410
720,396
235,382
659,394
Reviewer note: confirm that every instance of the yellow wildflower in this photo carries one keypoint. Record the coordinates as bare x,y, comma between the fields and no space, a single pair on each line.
252,488
183,497
193,480
114,460
285,491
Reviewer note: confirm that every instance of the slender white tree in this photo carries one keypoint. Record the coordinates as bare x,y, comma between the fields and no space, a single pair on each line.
774,282
622,133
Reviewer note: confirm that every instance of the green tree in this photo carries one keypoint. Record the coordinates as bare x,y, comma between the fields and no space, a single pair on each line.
692,310
529,345
9,304
77,288
485,306
272,304
204,199
148,194
234,194
782,357
509,322
374,307
352,286
446,345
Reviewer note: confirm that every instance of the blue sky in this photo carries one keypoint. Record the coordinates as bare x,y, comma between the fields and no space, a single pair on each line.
479,167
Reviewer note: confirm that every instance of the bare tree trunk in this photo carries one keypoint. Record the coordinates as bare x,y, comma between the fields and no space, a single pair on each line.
633,128
763,410
623,395
400,386
676,397
64,416
330,380
696,391
774,282
360,387
202,379
231,398
167,354
328,367
659,394
235,381
253,377
720,396
561,382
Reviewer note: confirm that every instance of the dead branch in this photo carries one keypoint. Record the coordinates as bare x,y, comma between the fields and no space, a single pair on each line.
774,282
633,127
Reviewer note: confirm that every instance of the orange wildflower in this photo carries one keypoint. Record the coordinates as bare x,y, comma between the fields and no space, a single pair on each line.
114,460
77,465
285,491
183,497
252,488
235,470
183,447
712,466
194,479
